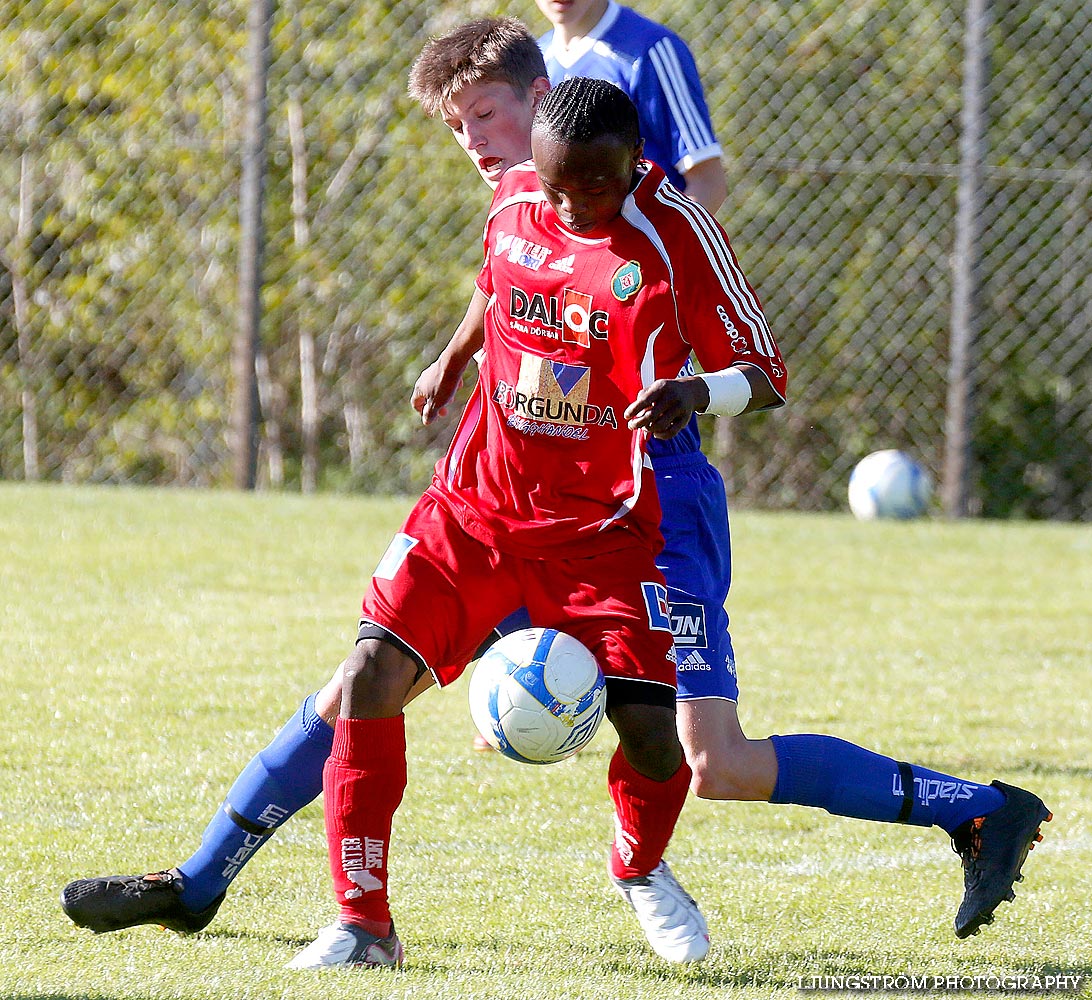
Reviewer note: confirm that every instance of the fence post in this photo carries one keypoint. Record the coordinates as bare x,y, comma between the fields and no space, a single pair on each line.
966,262
245,408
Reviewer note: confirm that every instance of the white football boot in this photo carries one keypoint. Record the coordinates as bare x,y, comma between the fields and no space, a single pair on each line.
343,945
668,915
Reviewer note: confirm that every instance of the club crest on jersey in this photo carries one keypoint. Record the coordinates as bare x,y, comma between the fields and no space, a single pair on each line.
627,281
551,397
570,319
520,251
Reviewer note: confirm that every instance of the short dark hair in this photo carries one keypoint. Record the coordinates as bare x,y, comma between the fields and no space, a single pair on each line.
583,110
490,49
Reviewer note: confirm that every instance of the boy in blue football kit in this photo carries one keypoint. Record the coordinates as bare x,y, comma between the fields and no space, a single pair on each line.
486,78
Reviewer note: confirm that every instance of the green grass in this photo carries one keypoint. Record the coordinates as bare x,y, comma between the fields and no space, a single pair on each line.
153,640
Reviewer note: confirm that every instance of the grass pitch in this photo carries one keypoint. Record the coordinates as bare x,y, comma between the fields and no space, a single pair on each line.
152,641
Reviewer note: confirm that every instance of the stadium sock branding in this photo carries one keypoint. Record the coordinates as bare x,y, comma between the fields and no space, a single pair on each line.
847,780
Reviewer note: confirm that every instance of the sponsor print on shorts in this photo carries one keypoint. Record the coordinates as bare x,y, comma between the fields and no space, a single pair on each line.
395,555
688,625
659,611
693,661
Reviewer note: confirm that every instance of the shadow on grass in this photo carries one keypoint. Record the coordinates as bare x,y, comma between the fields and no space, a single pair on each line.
257,935
1051,770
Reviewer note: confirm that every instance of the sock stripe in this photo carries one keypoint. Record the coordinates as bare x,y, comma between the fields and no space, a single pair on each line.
906,775
248,825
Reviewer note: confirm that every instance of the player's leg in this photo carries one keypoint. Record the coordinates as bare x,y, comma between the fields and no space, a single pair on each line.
416,619
364,780
616,605
993,827
275,784
696,561
648,779
726,764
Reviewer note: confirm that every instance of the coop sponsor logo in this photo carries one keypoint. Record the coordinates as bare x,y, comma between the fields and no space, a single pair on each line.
519,251
739,341
659,611
570,318
551,398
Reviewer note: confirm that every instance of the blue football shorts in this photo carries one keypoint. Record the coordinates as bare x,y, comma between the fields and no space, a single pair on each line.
697,563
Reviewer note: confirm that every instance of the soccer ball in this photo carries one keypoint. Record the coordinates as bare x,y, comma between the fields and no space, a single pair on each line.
889,483
537,695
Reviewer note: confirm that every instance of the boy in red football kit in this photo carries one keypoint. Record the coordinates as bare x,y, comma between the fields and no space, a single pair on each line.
545,500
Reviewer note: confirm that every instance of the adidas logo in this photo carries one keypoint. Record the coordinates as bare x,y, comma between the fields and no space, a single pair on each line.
694,661
564,264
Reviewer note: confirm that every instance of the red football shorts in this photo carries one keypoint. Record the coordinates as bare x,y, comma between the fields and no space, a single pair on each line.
440,592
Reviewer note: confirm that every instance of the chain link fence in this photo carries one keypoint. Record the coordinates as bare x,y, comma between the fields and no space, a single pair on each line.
852,133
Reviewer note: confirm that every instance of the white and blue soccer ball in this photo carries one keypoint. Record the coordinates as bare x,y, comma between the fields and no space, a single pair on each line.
889,484
537,695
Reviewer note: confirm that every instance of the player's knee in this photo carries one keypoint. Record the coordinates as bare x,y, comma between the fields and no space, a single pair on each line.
736,777
649,740
712,779
376,678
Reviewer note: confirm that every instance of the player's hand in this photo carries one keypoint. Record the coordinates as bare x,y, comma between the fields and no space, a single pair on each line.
433,391
665,407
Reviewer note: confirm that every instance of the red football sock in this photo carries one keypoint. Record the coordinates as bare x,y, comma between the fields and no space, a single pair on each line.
363,783
645,812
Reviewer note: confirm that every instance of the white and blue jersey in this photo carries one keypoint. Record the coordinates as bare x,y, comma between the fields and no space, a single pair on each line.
654,66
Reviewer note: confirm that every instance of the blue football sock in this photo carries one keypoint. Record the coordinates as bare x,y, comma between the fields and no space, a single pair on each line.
277,783
848,780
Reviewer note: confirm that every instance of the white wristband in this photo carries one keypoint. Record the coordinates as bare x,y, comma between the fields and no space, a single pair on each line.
729,392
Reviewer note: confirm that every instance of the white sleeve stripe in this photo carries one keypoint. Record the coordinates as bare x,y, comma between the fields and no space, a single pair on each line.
670,74
521,198
695,132
731,278
727,270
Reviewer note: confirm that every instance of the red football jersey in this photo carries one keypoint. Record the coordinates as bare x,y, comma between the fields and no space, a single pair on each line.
542,462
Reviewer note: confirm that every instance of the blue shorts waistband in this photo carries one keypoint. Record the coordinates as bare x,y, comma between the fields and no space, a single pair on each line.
683,460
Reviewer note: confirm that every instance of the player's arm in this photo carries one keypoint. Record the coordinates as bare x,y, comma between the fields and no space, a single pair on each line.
439,381
674,111
665,407
707,184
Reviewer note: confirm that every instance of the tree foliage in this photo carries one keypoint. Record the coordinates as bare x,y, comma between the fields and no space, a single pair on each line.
122,120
